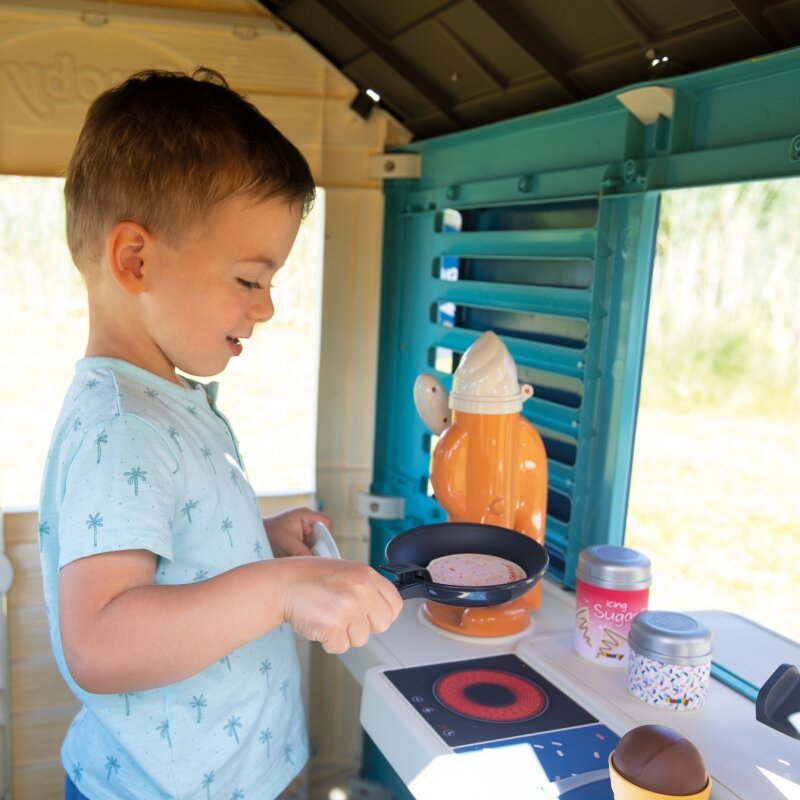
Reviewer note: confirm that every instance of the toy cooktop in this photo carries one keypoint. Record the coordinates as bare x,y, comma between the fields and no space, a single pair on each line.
499,701
527,718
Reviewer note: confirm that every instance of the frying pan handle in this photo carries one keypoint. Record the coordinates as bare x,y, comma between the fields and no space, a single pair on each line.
412,579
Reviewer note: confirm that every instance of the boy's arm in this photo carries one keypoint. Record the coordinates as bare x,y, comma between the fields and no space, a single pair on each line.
121,633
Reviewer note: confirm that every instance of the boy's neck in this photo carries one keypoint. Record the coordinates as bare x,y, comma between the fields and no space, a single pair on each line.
114,333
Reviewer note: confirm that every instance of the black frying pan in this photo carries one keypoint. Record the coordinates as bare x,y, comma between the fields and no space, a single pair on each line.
409,554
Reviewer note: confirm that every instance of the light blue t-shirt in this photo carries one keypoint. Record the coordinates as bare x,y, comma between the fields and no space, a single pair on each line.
137,462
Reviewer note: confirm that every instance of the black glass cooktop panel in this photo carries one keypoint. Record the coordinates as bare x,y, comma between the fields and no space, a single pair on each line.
486,699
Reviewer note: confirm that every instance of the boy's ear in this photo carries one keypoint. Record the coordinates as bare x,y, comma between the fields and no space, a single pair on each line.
126,245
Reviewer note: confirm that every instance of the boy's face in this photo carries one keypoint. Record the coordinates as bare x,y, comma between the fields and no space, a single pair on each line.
205,296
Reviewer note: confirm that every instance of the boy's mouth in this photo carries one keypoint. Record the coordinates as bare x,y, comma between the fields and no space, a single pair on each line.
234,344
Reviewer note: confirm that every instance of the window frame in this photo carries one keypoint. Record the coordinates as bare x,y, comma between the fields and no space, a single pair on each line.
728,125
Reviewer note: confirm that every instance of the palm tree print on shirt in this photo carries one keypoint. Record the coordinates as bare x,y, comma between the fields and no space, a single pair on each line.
44,530
173,434
187,509
285,689
226,528
154,395
226,661
100,440
264,737
112,767
90,384
77,773
238,794
94,522
231,725
208,779
127,696
265,669
163,729
193,411
258,549
207,456
199,702
237,479
200,575
135,475
287,754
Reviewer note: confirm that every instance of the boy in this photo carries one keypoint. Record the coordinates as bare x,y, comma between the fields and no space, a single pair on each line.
171,603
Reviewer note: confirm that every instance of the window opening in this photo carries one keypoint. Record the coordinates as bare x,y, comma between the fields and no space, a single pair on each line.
269,395
713,498
563,215
542,328
554,273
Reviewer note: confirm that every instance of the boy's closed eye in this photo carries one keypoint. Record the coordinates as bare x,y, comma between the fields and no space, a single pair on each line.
249,284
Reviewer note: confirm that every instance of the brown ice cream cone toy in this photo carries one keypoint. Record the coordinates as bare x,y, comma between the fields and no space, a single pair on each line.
653,762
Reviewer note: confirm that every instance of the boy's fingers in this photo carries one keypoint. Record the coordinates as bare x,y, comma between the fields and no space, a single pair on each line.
358,632
336,644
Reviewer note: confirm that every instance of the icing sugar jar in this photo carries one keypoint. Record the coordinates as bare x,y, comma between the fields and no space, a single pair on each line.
612,587
670,660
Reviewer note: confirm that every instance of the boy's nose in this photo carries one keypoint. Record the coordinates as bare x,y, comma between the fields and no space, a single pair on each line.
262,311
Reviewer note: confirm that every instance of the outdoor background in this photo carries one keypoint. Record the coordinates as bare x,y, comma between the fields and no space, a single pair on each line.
269,393
714,495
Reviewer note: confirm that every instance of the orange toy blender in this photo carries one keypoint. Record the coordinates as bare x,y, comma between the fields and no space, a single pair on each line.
488,466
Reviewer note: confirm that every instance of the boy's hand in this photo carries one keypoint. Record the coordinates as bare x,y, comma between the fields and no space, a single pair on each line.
288,533
339,603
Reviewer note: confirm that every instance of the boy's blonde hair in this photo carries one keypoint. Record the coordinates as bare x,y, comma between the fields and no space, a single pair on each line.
162,149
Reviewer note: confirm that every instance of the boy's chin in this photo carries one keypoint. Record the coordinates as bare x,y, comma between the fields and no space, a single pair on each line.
201,370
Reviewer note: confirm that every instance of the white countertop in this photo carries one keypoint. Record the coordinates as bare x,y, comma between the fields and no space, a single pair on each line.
746,759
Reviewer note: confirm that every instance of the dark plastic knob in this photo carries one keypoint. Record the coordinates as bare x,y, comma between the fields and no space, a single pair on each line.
778,701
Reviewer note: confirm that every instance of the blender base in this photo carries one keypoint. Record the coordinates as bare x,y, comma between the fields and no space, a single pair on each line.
461,637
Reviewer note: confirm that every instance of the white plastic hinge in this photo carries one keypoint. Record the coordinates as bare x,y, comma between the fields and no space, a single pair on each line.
395,165
648,103
378,506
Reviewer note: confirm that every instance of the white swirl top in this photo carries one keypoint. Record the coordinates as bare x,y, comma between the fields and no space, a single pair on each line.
485,381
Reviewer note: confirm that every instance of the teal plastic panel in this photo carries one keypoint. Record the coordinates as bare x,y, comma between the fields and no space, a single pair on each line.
559,212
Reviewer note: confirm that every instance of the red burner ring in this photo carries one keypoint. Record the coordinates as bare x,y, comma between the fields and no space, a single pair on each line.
490,695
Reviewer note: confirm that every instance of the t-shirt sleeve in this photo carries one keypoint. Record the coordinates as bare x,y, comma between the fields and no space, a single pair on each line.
119,491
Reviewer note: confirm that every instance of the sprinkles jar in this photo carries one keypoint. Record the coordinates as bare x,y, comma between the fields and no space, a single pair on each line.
670,660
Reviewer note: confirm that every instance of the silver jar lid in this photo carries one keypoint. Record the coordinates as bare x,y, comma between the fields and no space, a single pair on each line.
610,566
670,637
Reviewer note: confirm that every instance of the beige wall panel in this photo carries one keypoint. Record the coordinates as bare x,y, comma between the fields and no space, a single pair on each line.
300,119
26,591
38,736
28,635
347,167
351,293
36,686
338,85
39,782
273,61
222,6
344,127
52,66
20,527
345,439
48,78
25,558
